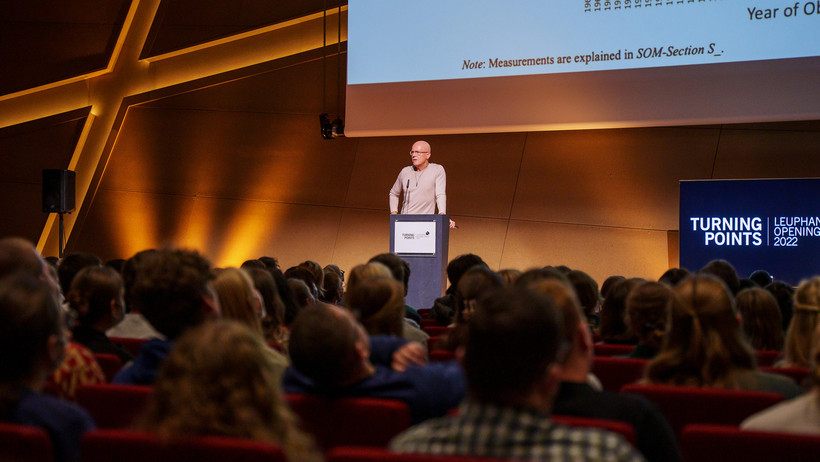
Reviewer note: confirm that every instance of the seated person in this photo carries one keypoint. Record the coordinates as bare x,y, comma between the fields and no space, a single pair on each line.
219,380
510,361
96,298
172,290
331,355
134,324
646,313
576,397
32,342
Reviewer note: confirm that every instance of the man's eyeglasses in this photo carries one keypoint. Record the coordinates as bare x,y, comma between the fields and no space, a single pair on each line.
418,152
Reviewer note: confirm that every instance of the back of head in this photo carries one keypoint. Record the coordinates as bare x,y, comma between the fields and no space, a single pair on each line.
249,264
361,272
269,262
378,302
673,276
761,277
29,316
475,282
514,337
608,284
170,289
92,291
304,275
704,346
303,297
761,319
19,255
646,311
566,302
71,264
333,289
316,272
803,323
238,299
614,328
264,283
509,276
219,380
587,290
724,271
458,266
784,294
534,275
322,345
398,267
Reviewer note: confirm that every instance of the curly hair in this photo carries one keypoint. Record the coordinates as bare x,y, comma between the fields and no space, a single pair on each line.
704,346
218,380
803,323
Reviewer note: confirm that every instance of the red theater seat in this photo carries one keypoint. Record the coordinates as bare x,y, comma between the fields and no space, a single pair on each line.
435,331
110,364
113,406
688,405
766,357
798,374
132,446
442,355
719,443
607,349
350,421
369,454
614,373
21,443
131,345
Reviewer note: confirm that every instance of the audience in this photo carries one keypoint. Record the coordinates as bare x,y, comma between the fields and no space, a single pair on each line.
576,397
332,355
614,328
444,308
760,318
646,314
172,290
587,291
476,281
510,360
724,271
134,324
273,322
96,299
378,303
784,294
219,380
705,346
71,264
804,321
333,290
400,270
32,342
673,276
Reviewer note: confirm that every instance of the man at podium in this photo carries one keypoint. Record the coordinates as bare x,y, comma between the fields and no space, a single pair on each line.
423,184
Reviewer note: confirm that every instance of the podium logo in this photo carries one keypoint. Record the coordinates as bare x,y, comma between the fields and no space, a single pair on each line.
729,231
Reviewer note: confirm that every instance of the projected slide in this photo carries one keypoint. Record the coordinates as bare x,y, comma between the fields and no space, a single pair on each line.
754,224
419,40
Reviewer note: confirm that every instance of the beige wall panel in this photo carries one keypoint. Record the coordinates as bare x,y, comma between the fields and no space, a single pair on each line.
121,223
625,178
768,154
599,251
481,236
362,234
21,207
481,171
232,231
227,154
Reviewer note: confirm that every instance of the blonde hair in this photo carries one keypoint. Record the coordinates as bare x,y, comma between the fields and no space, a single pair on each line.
219,380
803,323
361,272
236,293
378,302
704,346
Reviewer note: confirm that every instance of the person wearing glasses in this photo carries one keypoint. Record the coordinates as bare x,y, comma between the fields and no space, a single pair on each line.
423,185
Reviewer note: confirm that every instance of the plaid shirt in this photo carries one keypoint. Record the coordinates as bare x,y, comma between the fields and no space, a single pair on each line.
487,430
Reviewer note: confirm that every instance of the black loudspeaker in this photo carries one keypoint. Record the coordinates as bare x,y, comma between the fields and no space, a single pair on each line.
58,191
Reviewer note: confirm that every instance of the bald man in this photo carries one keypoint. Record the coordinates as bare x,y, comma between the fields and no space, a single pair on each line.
423,184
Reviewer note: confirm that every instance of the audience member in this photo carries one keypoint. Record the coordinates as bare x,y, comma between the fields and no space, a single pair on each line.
608,284
705,346
760,318
270,263
219,380
302,295
316,273
96,299
331,355
804,321
576,397
724,271
116,264
249,264
273,323
304,275
172,290
646,314
761,277
587,290
673,276
71,264
798,415
444,308
134,324
614,328
32,342
784,294
510,361
333,289
400,270
509,276
475,282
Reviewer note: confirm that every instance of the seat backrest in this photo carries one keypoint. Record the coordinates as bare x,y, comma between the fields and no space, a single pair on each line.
689,405
350,421
21,443
442,355
767,357
114,406
132,446
617,372
608,349
798,374
370,454
622,428
109,363
720,443
435,331
131,345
